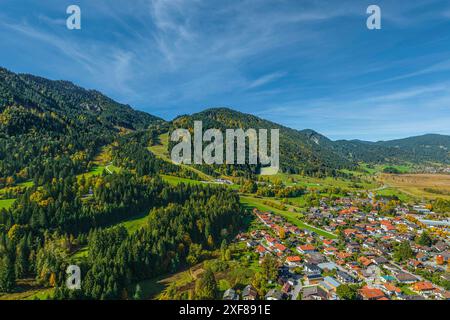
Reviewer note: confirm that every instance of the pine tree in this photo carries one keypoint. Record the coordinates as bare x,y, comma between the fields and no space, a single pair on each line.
22,254
138,295
7,275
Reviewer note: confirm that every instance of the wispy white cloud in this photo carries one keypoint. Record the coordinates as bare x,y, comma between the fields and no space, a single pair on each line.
265,79
314,60
391,115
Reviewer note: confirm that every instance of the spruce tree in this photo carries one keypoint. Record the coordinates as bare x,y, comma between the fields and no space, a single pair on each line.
7,275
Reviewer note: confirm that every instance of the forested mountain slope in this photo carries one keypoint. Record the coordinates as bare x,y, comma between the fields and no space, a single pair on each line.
300,151
54,128
426,148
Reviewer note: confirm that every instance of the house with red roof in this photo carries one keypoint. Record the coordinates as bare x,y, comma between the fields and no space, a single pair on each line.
306,248
261,250
270,241
424,288
293,261
368,293
279,248
364,261
391,290
330,251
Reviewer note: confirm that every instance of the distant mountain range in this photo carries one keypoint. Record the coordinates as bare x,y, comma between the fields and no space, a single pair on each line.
419,149
39,114
308,150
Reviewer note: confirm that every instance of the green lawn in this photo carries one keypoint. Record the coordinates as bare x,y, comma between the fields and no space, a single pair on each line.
407,290
390,192
28,289
110,168
378,168
26,184
95,171
292,217
22,185
81,254
6,204
44,294
135,223
161,149
319,183
177,180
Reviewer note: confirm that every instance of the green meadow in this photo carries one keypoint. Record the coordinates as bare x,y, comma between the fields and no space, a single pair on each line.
7,203
292,217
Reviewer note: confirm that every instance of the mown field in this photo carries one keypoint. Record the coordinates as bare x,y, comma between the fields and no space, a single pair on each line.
427,186
7,203
28,289
161,150
363,183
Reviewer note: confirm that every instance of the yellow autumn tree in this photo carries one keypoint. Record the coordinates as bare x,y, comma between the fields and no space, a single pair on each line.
210,241
52,280
402,228
9,181
16,232
282,233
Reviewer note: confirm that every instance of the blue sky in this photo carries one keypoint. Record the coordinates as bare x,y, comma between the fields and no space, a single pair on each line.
304,64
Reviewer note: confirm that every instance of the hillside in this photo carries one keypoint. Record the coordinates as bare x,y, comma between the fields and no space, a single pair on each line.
72,101
300,151
54,128
420,149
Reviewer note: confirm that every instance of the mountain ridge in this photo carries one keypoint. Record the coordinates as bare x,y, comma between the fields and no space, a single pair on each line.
62,120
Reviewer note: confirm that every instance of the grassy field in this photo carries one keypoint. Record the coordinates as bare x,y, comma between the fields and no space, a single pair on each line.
95,171
237,274
6,204
135,223
21,185
81,254
26,184
320,183
161,151
268,171
110,168
400,168
292,217
152,288
427,186
379,168
162,148
28,289
391,192
177,180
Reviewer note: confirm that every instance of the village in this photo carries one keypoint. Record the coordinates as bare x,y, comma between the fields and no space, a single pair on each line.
373,256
